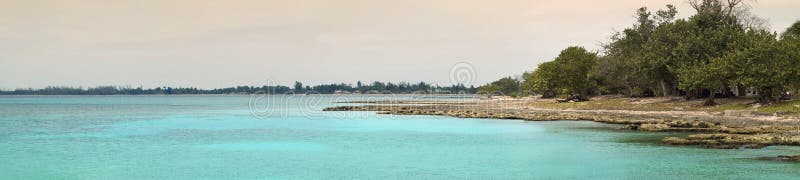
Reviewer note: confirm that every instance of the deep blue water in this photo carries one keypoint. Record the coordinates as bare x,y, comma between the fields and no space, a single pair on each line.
226,137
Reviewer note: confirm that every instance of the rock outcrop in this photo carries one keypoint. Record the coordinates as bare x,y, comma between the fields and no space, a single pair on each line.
783,158
716,130
735,141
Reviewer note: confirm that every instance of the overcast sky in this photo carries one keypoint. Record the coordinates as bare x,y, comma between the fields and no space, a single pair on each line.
221,43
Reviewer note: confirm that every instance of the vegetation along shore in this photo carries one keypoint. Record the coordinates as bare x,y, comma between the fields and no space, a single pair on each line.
719,73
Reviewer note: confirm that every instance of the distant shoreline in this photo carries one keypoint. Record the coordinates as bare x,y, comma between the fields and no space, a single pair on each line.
403,94
298,88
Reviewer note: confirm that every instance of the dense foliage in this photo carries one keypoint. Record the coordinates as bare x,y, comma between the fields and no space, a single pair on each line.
568,74
721,51
504,86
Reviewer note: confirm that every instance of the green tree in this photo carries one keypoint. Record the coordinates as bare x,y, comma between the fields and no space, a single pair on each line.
298,87
575,63
793,30
790,46
659,60
699,53
567,75
626,64
544,80
760,64
506,86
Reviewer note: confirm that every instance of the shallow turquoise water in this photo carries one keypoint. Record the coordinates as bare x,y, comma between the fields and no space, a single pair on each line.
213,137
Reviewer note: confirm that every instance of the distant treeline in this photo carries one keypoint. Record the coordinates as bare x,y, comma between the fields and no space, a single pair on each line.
721,51
373,88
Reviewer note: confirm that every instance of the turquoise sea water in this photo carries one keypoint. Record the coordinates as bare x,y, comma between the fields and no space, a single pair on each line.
220,137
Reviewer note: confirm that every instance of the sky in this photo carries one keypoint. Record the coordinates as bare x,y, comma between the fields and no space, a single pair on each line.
223,43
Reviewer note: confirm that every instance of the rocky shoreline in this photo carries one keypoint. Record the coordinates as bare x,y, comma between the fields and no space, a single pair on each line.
783,158
711,130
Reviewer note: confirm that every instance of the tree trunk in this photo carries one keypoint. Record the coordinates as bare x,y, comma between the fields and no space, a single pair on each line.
578,95
710,101
741,90
548,94
689,95
765,96
696,94
629,90
667,92
796,91
726,90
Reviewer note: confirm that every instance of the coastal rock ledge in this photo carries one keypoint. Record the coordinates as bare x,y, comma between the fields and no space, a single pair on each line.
783,158
714,131
735,141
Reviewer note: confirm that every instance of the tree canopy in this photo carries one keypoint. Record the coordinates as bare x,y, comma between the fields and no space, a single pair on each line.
503,86
720,51
567,75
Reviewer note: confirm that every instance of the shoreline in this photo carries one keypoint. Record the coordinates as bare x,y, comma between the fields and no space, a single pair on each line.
719,130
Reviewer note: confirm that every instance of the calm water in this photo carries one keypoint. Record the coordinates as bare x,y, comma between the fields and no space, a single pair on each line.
188,137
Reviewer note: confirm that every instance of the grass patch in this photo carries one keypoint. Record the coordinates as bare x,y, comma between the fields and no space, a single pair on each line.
723,108
632,104
791,108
